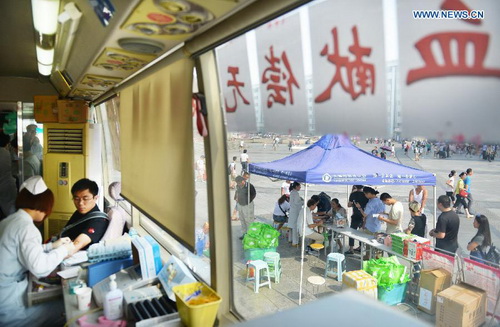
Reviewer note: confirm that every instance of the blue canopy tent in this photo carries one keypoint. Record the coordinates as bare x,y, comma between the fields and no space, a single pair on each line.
334,160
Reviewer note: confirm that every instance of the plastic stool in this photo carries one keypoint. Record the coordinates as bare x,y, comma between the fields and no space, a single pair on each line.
274,263
316,247
337,268
284,232
316,282
257,266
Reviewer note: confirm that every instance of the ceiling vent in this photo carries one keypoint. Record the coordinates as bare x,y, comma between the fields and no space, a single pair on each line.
141,45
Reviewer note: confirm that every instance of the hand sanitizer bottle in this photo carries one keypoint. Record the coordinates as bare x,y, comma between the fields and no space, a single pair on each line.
113,303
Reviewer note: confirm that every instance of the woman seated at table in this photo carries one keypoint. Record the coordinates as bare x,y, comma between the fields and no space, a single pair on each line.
22,252
309,232
281,209
337,211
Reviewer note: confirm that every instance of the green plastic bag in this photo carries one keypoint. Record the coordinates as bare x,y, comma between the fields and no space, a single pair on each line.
387,271
255,229
250,242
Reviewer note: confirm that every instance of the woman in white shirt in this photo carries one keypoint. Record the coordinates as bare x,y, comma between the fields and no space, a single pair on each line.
22,252
280,213
450,186
296,203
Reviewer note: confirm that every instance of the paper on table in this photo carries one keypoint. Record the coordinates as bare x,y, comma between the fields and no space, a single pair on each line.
70,272
78,257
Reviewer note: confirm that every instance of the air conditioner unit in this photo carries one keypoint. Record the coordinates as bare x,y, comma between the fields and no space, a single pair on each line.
71,152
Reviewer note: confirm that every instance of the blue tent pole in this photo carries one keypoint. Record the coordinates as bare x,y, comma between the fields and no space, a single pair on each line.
303,227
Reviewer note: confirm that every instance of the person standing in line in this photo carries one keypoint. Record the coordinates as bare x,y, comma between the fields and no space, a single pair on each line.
244,161
418,220
285,187
460,188
357,196
232,173
480,243
418,194
296,204
450,186
447,226
245,203
373,207
467,183
395,220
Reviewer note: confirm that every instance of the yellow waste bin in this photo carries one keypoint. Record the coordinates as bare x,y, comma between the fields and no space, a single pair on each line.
197,304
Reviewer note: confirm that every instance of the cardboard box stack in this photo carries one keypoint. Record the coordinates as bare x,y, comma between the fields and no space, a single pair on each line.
45,108
432,281
361,281
413,247
398,242
461,305
72,111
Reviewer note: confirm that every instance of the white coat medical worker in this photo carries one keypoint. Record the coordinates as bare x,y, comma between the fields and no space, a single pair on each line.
22,252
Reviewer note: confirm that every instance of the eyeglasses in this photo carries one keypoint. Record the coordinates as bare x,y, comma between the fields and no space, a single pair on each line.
84,199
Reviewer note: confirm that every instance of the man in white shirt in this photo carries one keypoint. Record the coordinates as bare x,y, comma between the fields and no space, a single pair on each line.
395,220
244,161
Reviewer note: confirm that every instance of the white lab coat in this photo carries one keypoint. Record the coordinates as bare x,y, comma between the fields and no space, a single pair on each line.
21,252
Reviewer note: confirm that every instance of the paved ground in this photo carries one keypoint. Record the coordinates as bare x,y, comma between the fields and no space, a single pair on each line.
285,294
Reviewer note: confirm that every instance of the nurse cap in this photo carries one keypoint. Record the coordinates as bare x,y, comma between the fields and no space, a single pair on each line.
35,185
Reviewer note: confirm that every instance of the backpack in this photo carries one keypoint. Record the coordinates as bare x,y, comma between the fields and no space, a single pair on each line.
493,255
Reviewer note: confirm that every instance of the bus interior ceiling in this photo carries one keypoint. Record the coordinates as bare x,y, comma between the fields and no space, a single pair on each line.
101,57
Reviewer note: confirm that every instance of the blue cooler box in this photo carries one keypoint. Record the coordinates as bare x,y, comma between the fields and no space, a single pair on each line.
393,296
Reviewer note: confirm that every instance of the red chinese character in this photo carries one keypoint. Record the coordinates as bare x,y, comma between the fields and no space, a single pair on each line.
236,88
479,42
276,75
363,73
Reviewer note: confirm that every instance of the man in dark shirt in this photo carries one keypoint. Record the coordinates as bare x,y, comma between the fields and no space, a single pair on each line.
88,224
245,203
357,196
446,231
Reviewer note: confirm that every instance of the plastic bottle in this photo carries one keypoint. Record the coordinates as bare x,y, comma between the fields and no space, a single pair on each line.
113,303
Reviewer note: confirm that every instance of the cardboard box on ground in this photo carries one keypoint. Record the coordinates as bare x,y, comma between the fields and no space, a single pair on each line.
432,281
461,305
361,281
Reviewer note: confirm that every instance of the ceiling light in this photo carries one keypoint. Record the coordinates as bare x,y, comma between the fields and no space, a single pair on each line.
45,57
44,70
45,14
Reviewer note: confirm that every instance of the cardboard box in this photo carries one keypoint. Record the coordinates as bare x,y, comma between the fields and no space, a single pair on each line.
361,281
413,248
461,305
45,108
72,111
432,281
